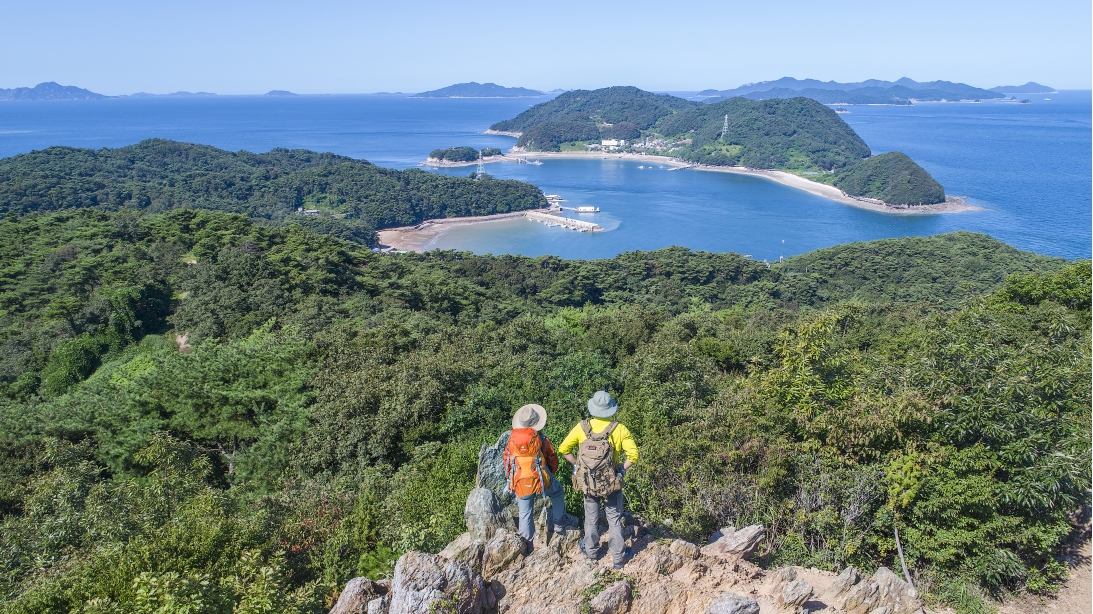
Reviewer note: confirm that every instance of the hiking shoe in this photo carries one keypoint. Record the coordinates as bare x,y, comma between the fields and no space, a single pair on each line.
584,551
622,563
559,530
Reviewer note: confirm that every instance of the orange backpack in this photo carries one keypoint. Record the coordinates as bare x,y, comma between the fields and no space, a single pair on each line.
524,463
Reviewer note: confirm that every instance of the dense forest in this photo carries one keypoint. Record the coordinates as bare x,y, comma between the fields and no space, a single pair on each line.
583,115
202,413
796,134
354,197
891,177
455,154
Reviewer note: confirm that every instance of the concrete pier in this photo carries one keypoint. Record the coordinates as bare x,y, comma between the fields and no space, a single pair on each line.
565,222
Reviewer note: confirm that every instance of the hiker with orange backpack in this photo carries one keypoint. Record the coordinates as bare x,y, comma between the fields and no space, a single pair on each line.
530,465
597,473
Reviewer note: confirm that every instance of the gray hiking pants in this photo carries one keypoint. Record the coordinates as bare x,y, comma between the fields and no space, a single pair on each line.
612,507
526,505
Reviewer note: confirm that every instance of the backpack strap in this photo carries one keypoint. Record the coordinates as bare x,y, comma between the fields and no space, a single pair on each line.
602,435
586,426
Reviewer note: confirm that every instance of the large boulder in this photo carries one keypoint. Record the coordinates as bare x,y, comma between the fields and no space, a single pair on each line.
484,514
501,551
794,595
355,597
731,603
467,549
491,470
425,581
728,543
614,599
884,591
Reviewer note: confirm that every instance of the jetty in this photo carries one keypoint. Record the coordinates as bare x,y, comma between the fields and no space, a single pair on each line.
564,222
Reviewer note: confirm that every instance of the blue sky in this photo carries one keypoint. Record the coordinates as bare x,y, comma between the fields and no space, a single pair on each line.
116,47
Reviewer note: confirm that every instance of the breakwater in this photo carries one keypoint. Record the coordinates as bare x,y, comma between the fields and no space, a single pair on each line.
564,222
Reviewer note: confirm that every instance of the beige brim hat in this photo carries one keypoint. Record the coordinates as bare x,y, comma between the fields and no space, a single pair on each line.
530,416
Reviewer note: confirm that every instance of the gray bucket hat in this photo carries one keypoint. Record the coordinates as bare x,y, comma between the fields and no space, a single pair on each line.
530,416
601,405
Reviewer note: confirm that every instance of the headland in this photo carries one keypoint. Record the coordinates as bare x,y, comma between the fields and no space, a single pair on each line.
952,204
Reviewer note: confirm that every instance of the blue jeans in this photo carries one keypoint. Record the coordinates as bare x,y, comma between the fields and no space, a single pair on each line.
527,508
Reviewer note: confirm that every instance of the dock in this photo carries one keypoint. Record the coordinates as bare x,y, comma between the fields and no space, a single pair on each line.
564,222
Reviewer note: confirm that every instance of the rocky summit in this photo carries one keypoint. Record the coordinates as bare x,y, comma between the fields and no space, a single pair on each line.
490,570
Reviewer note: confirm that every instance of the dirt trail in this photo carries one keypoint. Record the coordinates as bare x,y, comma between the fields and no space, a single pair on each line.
1073,598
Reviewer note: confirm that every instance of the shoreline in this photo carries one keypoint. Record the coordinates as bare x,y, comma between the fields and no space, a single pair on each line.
952,204
417,238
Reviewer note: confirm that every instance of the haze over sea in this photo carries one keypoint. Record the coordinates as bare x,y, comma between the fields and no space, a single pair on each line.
1027,165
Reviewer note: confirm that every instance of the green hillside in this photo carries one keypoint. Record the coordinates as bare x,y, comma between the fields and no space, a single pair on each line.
792,134
893,178
354,197
198,409
582,115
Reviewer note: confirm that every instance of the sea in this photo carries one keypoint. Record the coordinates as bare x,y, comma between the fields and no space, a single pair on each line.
1028,166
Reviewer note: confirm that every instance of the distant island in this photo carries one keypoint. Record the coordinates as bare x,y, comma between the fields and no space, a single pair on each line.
873,91
176,94
49,91
280,93
1029,88
797,135
479,90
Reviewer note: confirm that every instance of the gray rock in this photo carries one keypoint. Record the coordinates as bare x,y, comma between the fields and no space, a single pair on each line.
355,597
467,549
685,549
423,581
738,544
614,599
664,560
491,470
729,530
379,605
843,582
501,551
731,603
483,514
784,575
860,599
795,594
894,593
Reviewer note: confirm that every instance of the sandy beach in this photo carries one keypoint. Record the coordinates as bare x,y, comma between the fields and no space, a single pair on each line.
952,204
418,238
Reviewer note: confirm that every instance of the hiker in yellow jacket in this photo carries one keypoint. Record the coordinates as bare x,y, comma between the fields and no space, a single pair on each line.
598,469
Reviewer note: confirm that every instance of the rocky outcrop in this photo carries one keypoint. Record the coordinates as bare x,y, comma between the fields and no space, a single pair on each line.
484,514
501,551
615,599
423,582
884,593
467,549
728,543
496,574
356,595
731,603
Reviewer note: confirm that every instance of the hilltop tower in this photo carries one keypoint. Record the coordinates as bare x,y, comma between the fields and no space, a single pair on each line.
481,168
724,127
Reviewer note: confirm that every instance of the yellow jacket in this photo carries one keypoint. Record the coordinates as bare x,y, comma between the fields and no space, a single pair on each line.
620,438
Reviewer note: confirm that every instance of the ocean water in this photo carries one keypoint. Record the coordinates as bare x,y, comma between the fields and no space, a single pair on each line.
1028,166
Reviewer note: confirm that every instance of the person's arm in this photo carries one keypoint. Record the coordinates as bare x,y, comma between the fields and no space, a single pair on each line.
630,447
572,440
550,455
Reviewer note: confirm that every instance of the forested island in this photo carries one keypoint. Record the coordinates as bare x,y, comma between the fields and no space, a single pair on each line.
872,91
479,90
197,408
49,90
345,197
798,135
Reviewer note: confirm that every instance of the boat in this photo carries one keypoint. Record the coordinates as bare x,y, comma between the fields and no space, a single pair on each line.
841,111
587,209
